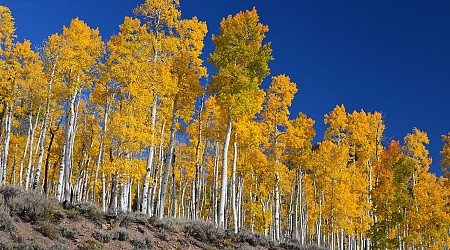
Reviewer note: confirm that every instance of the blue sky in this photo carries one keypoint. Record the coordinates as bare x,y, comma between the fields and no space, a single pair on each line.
387,56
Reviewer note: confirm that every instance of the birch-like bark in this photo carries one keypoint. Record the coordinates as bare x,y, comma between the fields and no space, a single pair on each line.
25,150
44,131
216,183
150,160
196,184
233,188
63,188
165,179
112,210
223,190
47,160
4,160
277,208
30,156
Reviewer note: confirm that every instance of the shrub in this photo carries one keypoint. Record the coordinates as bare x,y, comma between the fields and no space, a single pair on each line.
253,239
48,230
295,245
120,233
29,246
103,237
89,210
168,224
6,222
58,247
127,218
32,207
139,243
5,243
9,193
68,233
204,232
91,245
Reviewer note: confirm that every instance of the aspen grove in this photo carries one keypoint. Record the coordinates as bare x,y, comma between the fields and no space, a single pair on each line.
132,126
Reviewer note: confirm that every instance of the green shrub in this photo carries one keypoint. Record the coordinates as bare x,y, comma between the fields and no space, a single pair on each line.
253,239
91,245
58,247
295,245
89,210
32,207
68,233
9,193
139,243
5,243
127,218
48,230
6,222
29,246
205,232
120,233
103,237
168,224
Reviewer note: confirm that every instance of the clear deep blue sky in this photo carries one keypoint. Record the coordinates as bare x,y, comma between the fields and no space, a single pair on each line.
387,56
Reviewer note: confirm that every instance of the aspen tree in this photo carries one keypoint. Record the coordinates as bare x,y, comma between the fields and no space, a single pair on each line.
242,61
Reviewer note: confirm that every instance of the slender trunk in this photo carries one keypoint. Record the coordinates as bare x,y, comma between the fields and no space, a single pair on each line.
63,188
277,208
47,160
216,183
30,156
25,151
196,183
165,179
223,191
233,187
101,151
44,131
103,193
4,160
112,210
12,179
150,160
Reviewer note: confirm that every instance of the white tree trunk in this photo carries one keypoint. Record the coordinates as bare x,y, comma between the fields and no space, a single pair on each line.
4,160
277,208
25,150
165,179
30,156
223,190
233,188
150,160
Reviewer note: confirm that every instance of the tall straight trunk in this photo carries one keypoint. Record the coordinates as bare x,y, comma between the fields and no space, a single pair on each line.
277,208
12,178
25,151
47,160
295,227
112,210
165,179
150,160
196,184
4,159
223,190
103,193
216,183
30,156
44,131
233,188
63,188
174,190
101,151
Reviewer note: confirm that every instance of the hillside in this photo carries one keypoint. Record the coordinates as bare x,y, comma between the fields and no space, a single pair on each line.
33,221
